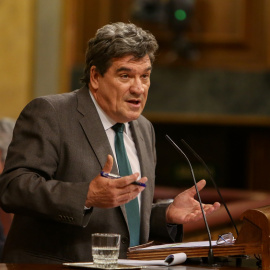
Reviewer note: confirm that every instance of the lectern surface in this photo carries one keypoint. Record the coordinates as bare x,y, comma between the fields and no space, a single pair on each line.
232,264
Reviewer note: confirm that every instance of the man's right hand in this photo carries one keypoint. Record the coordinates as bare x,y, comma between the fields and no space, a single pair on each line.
108,193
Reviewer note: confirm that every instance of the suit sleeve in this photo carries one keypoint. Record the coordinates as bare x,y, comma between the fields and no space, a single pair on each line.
27,185
160,230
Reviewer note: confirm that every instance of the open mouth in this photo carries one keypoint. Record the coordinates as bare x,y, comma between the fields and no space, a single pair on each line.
136,102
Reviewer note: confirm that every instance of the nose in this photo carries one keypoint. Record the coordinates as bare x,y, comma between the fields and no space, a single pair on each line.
137,86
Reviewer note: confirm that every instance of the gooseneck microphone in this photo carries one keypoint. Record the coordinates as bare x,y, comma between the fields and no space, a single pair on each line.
210,253
213,181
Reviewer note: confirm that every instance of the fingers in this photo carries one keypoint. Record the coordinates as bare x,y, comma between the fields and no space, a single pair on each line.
209,208
125,180
127,197
216,205
188,211
106,192
127,189
200,185
196,214
109,164
128,180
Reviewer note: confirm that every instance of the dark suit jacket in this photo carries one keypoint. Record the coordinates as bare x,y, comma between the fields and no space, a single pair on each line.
59,145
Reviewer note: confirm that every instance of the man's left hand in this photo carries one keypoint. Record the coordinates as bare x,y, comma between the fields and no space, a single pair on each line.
186,209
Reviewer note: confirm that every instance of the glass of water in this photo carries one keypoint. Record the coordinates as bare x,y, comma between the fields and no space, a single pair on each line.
105,249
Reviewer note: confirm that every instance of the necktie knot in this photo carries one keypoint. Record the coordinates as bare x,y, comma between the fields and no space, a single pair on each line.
118,127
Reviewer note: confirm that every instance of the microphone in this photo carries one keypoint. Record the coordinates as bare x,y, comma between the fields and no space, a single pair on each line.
213,181
210,253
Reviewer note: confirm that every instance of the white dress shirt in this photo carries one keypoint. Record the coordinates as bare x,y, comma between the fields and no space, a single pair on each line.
107,123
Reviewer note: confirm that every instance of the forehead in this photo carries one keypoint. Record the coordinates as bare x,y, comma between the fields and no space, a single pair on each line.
129,61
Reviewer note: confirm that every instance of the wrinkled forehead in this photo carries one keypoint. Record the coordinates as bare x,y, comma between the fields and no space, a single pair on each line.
131,61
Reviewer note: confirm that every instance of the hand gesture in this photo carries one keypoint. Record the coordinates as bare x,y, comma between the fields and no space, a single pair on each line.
186,209
108,193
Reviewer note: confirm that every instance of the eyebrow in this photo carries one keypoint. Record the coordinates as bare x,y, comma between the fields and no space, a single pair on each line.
129,69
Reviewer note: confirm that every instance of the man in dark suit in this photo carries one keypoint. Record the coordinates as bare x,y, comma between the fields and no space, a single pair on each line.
52,180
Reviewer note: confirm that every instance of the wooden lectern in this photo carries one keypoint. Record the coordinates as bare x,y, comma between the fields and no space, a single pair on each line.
253,239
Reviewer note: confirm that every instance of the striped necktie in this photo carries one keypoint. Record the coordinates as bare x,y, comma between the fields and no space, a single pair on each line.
132,207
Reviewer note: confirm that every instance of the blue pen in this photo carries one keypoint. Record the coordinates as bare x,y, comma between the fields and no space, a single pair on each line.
115,176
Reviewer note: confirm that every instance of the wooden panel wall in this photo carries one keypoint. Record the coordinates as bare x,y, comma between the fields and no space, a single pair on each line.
16,54
231,34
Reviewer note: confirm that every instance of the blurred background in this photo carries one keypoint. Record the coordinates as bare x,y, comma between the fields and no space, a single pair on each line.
210,85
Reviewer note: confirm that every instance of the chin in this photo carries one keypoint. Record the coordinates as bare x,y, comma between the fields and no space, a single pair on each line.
130,118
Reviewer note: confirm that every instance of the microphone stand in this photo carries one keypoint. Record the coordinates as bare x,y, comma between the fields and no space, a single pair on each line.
210,253
213,181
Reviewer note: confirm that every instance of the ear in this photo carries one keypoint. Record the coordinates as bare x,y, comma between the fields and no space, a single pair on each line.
94,78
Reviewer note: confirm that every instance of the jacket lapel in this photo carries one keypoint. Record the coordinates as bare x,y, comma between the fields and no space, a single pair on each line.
93,128
146,195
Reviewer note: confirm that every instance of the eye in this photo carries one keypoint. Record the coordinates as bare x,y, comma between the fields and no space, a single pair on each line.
124,76
146,76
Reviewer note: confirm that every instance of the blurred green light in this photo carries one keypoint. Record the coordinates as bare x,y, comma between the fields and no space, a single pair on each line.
180,14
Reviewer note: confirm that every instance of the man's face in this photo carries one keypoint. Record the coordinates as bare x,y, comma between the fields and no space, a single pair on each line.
122,91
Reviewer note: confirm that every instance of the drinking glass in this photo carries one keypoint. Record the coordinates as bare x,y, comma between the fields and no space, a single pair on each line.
105,249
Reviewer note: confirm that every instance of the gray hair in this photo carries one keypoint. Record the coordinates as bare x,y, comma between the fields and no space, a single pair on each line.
116,40
6,132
